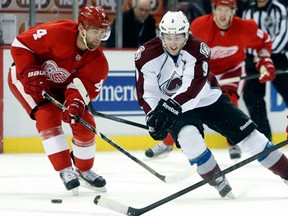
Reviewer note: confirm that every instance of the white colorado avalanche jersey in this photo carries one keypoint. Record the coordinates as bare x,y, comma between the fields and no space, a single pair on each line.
184,78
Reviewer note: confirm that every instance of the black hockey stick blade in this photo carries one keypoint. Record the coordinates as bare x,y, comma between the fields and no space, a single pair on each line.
128,210
85,96
248,77
167,179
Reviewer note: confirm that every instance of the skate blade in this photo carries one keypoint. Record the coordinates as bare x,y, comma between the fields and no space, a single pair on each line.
88,186
229,195
75,191
235,160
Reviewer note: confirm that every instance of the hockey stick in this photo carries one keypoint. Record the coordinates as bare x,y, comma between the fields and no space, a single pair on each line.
248,77
128,210
85,96
167,179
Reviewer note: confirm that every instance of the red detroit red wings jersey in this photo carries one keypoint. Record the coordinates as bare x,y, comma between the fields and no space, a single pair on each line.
51,48
228,46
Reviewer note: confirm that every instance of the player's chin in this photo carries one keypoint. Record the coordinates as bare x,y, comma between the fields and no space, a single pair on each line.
174,51
94,45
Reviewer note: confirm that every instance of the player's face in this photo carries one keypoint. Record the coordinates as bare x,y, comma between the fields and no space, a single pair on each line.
94,37
223,16
173,42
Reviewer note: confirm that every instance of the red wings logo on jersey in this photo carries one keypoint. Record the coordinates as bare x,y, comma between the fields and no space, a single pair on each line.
220,52
54,73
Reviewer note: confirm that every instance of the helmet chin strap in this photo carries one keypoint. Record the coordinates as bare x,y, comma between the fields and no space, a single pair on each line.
85,41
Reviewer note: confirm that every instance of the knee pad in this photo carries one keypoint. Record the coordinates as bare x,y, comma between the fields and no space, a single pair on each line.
191,142
54,140
254,143
84,151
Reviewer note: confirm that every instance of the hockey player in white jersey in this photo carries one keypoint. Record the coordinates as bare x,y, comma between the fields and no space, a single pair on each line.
179,95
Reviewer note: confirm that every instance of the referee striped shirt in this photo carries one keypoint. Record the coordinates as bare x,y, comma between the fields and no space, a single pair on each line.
272,19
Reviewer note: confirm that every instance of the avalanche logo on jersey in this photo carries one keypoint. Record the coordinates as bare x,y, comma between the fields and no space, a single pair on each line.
172,85
55,73
138,53
204,50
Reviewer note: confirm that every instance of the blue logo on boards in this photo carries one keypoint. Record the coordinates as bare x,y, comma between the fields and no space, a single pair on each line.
277,104
118,95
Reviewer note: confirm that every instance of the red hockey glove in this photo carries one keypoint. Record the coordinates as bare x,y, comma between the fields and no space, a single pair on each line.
35,82
266,68
75,107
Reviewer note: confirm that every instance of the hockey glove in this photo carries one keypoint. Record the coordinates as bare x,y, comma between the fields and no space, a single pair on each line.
75,108
156,129
266,68
34,83
163,118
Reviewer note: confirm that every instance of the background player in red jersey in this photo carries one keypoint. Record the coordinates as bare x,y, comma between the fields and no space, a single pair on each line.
228,37
48,57
179,94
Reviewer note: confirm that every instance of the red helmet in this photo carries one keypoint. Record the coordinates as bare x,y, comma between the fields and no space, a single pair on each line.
229,3
94,16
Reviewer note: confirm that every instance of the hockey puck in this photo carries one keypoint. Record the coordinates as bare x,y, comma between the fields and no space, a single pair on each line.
56,200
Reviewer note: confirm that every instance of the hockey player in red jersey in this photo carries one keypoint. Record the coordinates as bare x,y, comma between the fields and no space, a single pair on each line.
48,57
178,94
228,37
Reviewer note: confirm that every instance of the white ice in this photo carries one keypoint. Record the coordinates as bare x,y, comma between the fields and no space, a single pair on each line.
28,183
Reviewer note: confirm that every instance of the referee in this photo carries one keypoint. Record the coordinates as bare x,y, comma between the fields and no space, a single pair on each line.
271,16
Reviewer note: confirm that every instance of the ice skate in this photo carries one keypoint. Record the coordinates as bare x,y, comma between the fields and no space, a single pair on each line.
224,188
158,150
235,153
70,180
89,179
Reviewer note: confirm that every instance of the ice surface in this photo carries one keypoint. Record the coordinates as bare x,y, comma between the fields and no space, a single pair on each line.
28,183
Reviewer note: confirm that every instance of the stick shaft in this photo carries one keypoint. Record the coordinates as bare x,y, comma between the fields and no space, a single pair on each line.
84,94
248,77
114,118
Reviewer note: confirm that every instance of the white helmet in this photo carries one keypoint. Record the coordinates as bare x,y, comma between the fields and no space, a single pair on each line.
174,23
